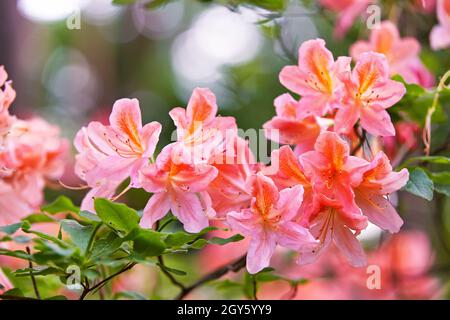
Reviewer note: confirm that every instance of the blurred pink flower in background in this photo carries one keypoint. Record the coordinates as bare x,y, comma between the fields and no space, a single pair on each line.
407,139
402,54
315,78
34,153
5,284
348,11
7,96
440,34
404,259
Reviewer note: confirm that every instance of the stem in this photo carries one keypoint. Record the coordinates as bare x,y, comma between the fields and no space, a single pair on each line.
33,279
426,136
169,275
234,267
88,289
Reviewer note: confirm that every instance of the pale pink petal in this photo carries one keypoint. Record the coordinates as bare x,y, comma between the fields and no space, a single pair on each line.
202,106
346,117
439,37
244,222
289,202
152,179
104,190
194,178
296,80
394,181
157,207
349,246
114,168
150,136
188,208
388,94
260,251
317,105
356,167
126,116
264,191
178,116
286,106
377,122
293,236
379,211
360,47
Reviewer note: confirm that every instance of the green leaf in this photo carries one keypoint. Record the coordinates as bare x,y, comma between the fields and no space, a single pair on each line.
147,243
199,244
420,184
441,182
38,217
105,246
432,159
90,216
61,204
172,270
118,216
12,228
223,241
79,234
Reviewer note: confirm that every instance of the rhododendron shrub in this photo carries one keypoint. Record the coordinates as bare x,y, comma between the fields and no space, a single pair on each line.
355,134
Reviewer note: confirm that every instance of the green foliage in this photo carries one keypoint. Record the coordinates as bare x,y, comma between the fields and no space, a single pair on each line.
420,184
111,238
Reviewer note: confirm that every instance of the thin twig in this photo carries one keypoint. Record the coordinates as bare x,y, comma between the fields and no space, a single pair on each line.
33,279
88,289
234,267
426,136
169,275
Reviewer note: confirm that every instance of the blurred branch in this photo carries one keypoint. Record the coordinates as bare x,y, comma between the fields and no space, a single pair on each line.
234,267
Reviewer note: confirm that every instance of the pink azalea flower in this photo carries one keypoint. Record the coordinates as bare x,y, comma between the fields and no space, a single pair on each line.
371,194
333,225
368,92
440,34
402,54
5,284
286,171
199,131
289,127
110,154
269,221
333,172
178,187
315,78
7,96
348,11
234,165
34,153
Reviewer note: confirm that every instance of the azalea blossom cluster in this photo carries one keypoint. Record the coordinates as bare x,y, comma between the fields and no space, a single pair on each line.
31,154
304,200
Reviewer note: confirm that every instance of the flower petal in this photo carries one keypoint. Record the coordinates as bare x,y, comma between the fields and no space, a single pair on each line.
156,208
